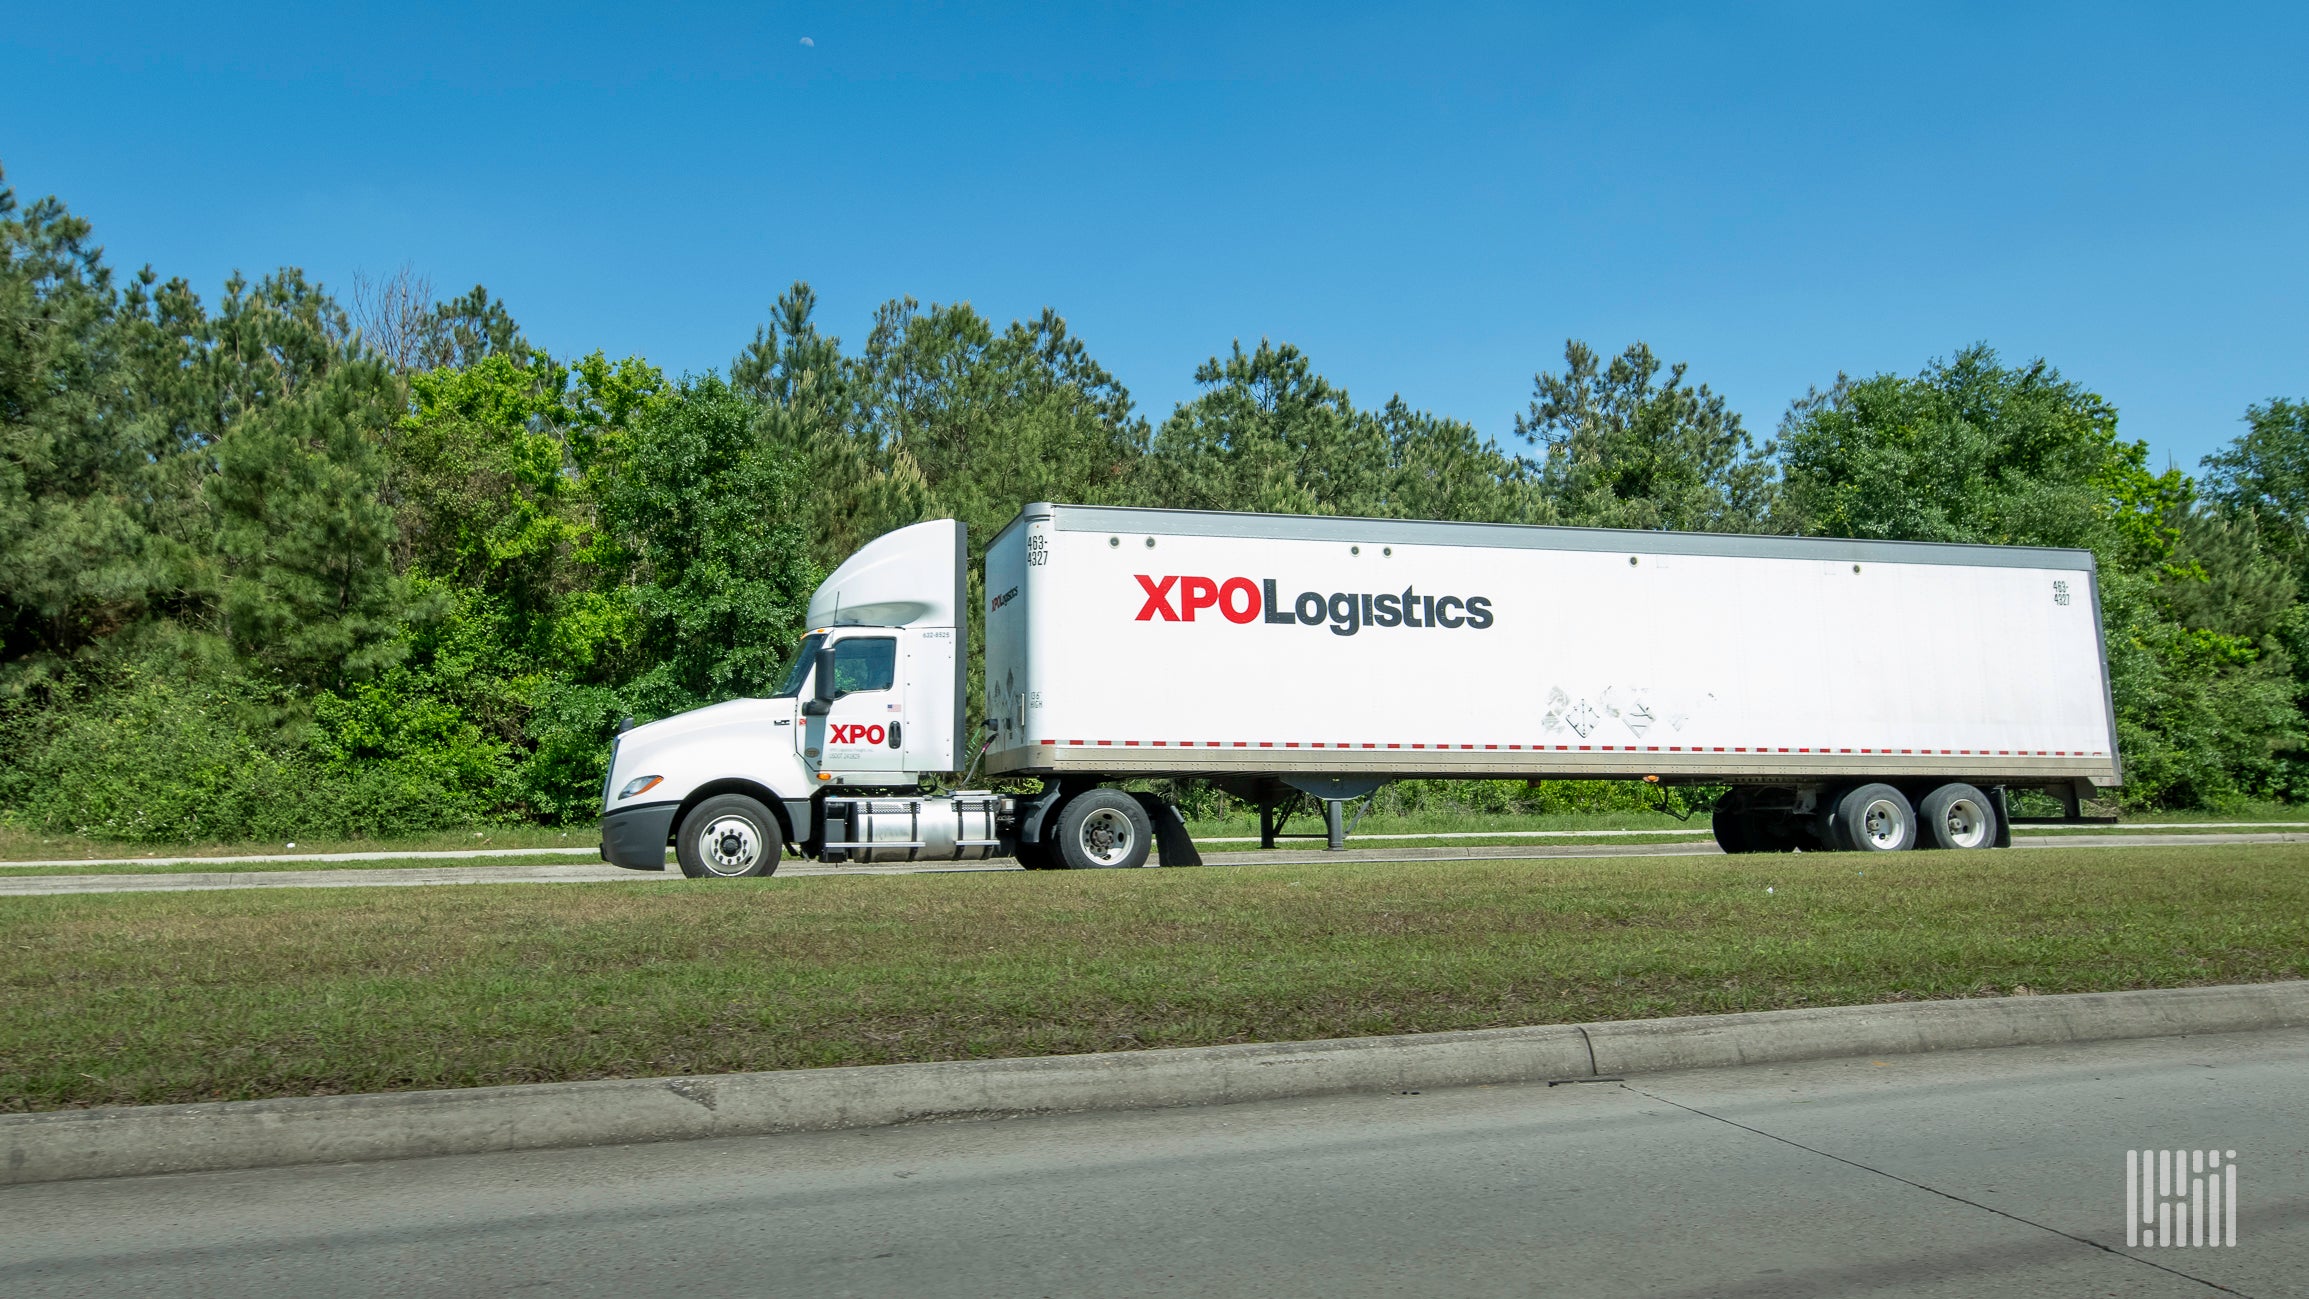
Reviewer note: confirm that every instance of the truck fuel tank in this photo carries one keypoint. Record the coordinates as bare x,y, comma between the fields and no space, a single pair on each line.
954,827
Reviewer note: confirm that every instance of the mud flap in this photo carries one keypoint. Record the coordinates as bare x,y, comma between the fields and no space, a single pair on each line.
1173,845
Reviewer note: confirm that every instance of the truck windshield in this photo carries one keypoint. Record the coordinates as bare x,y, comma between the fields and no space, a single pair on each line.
800,672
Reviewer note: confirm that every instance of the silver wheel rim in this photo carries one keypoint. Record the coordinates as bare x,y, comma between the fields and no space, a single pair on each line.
1882,825
729,845
1107,837
1966,823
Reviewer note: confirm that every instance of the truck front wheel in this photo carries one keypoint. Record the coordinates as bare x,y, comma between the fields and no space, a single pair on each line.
729,836
1103,829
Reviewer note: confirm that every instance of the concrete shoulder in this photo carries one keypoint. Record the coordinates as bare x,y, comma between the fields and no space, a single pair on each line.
126,1141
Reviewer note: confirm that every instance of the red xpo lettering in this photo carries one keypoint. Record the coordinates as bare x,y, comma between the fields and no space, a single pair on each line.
1158,599
1197,593
1239,586
1237,599
860,734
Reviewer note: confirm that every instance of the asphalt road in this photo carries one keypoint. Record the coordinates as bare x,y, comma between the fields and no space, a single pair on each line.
594,872
1961,1174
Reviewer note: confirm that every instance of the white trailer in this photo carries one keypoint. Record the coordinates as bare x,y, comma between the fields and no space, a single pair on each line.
1867,695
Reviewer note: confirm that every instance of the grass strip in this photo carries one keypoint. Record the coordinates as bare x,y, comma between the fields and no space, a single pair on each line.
17,844
144,998
227,868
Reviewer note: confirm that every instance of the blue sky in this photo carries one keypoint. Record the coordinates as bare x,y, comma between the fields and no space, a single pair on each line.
1429,201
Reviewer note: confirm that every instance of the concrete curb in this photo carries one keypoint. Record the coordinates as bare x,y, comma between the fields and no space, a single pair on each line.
72,1144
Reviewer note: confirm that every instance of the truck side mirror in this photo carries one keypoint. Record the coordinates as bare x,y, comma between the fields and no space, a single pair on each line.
821,684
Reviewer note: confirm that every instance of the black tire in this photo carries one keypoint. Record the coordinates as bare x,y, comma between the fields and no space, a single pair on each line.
1034,856
1103,829
1733,831
745,839
1875,818
1956,816
1774,832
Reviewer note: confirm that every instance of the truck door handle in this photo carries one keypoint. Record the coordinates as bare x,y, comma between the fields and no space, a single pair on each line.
893,735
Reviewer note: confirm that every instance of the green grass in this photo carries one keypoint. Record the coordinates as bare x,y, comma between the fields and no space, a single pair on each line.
116,999
18,844
227,868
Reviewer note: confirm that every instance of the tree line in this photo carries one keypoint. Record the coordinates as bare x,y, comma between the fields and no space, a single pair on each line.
281,562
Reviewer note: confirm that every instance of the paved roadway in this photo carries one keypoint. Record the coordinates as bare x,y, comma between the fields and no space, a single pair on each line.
592,872
1961,1174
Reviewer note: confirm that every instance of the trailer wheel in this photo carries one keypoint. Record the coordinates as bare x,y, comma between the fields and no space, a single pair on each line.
729,836
1103,829
1875,818
1734,833
1957,816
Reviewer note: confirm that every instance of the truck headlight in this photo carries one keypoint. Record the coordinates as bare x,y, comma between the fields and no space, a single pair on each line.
639,785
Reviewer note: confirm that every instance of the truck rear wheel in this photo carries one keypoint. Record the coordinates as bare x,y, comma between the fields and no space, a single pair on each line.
1103,829
1957,816
729,836
1733,832
1875,818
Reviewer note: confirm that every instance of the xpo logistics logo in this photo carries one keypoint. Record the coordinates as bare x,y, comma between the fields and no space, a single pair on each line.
862,733
1178,598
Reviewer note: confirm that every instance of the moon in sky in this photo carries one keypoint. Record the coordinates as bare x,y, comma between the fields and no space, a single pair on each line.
807,41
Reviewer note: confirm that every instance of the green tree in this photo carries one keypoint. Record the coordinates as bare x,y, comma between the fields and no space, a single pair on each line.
807,395
1441,468
2265,472
1267,433
1622,448
78,559
305,534
699,509
1973,450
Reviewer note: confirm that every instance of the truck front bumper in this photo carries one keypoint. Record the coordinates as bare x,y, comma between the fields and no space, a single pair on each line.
635,837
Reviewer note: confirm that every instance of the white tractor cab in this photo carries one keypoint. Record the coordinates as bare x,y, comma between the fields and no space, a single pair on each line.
833,766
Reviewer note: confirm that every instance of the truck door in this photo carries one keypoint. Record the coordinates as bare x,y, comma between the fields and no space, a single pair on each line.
859,739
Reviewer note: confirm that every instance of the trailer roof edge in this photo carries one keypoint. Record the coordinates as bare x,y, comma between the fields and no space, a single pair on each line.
1525,536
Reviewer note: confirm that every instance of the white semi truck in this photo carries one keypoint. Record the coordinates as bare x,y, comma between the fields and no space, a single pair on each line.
1867,695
